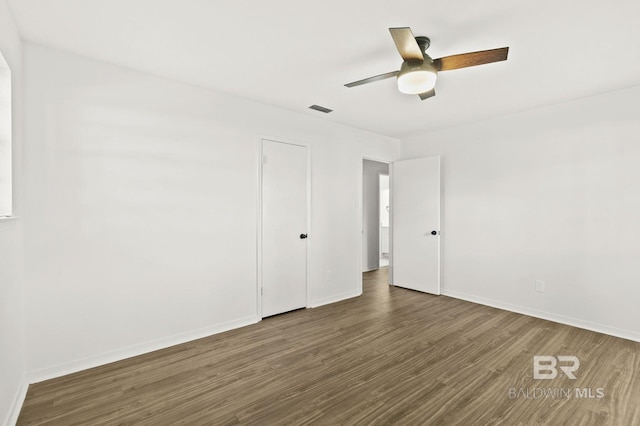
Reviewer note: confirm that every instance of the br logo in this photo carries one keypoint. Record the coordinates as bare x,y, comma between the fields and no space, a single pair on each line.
546,366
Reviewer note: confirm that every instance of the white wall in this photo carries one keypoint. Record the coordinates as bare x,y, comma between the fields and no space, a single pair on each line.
371,215
551,194
141,209
12,380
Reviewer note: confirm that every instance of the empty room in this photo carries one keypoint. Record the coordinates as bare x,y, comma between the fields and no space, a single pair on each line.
264,213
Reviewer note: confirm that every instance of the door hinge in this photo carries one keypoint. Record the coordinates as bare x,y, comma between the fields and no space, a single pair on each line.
264,159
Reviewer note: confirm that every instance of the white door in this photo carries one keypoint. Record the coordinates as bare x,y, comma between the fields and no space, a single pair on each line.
284,227
416,224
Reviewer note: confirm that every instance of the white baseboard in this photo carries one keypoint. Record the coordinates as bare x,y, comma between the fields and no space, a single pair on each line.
335,298
562,319
16,405
135,350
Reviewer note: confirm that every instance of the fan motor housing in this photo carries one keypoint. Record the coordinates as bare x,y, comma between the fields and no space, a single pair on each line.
423,42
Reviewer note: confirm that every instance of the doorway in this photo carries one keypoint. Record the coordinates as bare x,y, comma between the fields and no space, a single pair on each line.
375,215
413,218
385,224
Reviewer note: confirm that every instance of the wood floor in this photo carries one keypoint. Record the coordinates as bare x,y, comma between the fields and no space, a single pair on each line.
392,356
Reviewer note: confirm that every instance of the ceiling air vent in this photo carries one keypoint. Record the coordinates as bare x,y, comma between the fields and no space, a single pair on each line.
321,109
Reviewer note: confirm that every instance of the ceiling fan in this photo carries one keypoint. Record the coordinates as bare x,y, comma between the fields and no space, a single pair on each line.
418,73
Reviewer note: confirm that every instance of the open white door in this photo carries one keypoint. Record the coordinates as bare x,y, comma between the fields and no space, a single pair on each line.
416,224
284,227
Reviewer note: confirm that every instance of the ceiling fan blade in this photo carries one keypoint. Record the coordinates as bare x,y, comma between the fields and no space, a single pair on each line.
428,94
373,79
406,44
471,59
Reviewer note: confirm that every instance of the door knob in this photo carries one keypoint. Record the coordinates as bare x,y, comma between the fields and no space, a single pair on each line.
303,236
434,232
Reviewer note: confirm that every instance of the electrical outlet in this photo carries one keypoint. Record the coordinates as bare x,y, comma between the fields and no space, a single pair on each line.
540,286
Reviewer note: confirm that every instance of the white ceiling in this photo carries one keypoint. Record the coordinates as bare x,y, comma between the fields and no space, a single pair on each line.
294,53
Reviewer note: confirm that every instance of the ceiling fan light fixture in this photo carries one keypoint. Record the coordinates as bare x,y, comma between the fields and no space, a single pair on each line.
414,79
419,72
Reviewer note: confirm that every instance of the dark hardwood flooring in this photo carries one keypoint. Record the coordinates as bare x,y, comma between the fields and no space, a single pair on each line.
392,356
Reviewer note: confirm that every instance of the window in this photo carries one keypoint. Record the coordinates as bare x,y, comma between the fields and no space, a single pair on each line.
5,139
